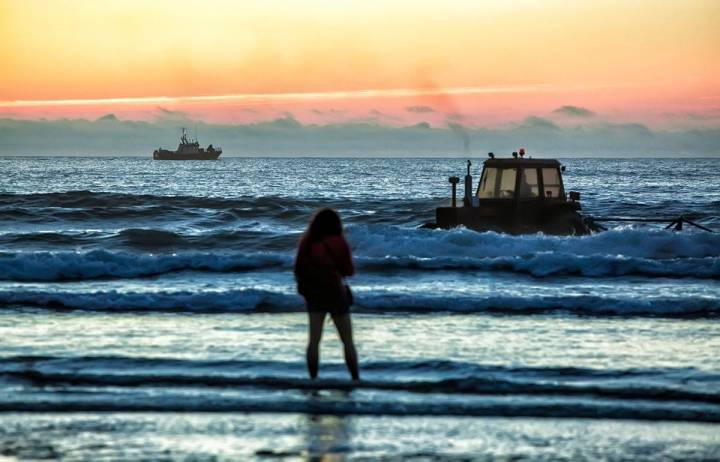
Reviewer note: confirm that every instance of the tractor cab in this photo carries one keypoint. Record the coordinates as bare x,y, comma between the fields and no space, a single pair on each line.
516,195
521,179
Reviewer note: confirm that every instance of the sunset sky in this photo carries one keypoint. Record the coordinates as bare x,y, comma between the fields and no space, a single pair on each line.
400,62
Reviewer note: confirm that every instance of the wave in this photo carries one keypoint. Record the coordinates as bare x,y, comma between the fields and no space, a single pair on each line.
153,239
92,199
683,394
87,205
96,264
256,300
558,264
50,238
227,239
611,253
380,241
231,301
93,206
63,266
454,378
584,305
170,401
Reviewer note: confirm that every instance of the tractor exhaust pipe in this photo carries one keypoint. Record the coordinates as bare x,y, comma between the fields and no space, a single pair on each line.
454,181
467,201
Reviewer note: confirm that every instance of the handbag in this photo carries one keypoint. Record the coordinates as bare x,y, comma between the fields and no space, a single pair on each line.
349,295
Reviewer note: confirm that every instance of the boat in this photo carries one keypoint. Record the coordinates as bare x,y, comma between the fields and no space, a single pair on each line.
516,195
188,150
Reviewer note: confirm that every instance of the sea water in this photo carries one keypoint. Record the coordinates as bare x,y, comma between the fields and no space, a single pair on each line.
148,310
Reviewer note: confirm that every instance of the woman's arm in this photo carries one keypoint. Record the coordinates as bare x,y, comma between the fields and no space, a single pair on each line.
344,259
301,255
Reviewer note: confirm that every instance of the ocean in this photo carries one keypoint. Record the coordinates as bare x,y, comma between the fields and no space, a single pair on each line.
148,311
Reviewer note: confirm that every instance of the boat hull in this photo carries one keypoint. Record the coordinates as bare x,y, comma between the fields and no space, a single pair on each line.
170,155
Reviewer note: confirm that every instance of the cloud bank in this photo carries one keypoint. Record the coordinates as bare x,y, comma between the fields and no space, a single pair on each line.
286,136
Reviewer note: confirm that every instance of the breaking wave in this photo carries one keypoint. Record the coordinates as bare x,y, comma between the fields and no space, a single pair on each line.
380,301
559,264
379,240
378,248
62,266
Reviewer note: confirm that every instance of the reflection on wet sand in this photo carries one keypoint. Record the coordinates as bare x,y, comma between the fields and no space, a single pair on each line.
317,437
328,437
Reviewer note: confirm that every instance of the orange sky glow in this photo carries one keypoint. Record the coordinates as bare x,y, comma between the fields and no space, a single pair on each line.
395,62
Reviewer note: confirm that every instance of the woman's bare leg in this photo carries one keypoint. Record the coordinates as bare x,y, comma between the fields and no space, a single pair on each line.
315,325
344,328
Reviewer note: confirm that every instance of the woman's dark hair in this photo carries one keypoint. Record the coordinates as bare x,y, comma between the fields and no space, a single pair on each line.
325,222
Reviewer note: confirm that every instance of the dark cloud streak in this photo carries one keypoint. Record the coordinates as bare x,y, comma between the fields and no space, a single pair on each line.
420,109
574,111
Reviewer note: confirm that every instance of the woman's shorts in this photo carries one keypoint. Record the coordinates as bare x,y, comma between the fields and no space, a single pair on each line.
314,306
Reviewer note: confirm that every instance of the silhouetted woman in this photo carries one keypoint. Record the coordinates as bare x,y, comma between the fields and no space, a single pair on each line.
322,261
